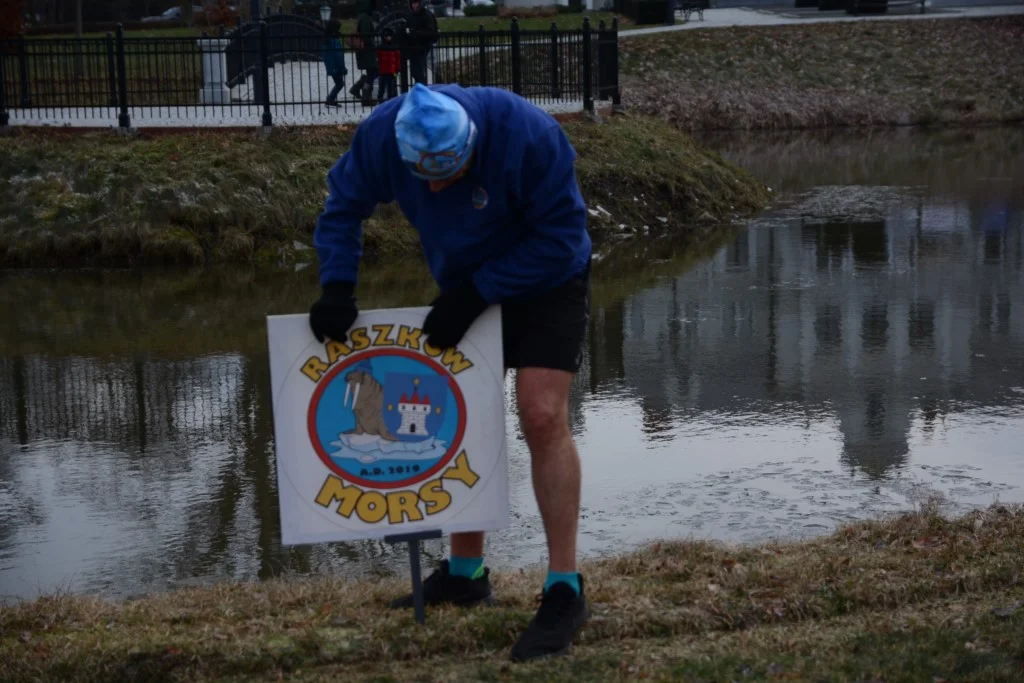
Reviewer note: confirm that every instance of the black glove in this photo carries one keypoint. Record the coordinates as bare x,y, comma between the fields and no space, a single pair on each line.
452,314
334,312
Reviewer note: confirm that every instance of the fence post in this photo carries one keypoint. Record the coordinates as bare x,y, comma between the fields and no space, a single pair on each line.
588,85
616,98
555,90
265,74
517,71
26,97
602,62
483,55
123,120
403,51
403,77
112,69
215,69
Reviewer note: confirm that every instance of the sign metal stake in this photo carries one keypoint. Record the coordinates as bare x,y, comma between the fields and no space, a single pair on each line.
414,564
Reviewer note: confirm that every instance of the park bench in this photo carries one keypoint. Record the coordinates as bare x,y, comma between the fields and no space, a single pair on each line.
856,7
689,7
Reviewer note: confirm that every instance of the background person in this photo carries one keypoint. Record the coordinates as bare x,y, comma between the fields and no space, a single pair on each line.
366,52
422,33
334,59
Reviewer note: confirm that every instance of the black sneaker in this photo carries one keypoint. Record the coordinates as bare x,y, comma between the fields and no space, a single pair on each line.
441,588
561,615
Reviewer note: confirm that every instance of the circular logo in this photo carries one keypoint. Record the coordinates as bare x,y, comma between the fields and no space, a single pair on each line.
479,198
387,418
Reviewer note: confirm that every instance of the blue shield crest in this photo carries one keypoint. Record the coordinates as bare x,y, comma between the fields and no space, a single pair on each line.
414,404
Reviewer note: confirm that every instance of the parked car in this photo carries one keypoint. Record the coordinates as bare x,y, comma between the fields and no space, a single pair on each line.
440,8
340,9
174,14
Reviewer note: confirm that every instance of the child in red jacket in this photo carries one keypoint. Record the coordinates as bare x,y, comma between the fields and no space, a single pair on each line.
389,58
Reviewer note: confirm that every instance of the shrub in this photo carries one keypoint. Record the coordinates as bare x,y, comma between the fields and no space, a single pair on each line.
507,12
481,10
647,11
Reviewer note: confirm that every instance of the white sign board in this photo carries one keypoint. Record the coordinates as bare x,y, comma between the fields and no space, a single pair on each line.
385,434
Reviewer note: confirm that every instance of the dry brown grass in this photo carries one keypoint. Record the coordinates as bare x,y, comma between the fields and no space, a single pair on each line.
847,74
918,597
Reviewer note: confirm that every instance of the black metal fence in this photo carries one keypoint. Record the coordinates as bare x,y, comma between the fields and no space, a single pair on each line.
261,75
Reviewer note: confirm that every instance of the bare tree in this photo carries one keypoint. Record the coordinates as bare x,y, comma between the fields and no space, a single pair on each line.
249,9
12,14
78,35
278,6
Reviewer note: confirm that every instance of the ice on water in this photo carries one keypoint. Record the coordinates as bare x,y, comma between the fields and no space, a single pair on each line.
367,448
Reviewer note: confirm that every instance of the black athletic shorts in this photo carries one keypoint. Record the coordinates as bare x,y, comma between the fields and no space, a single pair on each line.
547,330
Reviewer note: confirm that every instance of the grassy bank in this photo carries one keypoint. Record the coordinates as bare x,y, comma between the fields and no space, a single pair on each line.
915,598
209,196
844,74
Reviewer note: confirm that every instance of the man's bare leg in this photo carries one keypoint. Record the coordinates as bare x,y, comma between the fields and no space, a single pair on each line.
468,544
543,397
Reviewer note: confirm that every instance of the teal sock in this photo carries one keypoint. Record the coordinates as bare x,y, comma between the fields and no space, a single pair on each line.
571,578
470,567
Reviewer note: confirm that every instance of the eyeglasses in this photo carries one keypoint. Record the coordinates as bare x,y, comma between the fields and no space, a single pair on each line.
436,165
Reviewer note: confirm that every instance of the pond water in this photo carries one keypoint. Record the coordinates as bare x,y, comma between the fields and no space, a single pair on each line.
855,351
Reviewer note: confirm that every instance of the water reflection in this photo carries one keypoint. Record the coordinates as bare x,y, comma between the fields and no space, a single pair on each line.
854,350
135,434
874,322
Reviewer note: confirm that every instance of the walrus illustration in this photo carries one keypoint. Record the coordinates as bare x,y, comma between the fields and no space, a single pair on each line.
367,404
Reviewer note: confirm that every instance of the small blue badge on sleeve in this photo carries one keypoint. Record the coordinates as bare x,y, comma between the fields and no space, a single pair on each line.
479,198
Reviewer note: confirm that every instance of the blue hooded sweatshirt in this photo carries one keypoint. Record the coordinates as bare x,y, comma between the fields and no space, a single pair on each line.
515,224
334,57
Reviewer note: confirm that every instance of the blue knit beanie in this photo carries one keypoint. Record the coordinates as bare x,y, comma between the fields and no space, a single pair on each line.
434,132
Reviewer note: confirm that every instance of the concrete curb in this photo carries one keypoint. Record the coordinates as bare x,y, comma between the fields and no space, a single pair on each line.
768,16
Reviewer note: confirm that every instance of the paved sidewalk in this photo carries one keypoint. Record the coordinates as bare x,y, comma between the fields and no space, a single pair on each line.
788,15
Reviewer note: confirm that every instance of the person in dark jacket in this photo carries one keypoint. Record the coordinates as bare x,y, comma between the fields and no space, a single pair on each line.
422,34
488,181
366,52
334,59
